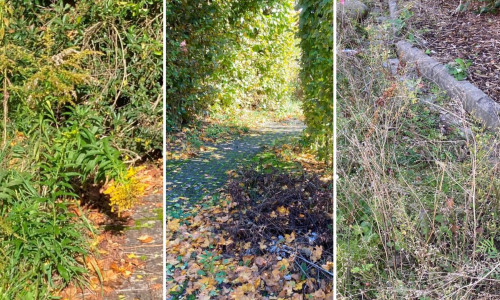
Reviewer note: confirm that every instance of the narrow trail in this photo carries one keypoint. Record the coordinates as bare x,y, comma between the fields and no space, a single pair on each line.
146,281
190,180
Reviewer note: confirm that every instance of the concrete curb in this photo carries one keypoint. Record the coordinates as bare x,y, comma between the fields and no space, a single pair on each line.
475,101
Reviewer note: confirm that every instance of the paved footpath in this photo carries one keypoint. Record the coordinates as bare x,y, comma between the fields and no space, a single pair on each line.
146,282
188,181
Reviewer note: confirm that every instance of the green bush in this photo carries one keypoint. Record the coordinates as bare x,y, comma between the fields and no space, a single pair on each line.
80,89
316,33
127,70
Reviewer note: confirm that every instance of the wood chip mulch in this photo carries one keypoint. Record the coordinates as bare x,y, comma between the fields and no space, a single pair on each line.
467,35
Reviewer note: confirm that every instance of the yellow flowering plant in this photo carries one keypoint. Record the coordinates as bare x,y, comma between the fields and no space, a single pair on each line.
126,190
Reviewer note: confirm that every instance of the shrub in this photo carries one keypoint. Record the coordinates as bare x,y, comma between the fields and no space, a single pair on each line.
79,86
316,33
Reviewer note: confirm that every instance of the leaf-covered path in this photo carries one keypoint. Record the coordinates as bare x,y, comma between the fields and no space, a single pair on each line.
143,244
213,254
127,263
191,180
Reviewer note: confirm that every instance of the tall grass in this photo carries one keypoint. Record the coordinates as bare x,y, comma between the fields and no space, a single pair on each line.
418,203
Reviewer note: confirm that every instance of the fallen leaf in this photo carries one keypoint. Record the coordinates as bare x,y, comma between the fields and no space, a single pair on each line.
316,254
283,210
260,261
173,225
145,239
290,237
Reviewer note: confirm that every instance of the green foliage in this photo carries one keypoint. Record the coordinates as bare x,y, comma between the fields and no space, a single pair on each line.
481,6
80,88
401,22
459,68
127,70
228,54
316,33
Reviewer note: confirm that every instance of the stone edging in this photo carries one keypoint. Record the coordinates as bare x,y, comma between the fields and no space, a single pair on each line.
475,101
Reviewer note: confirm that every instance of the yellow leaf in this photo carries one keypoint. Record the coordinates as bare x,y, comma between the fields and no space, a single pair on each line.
173,225
328,266
262,245
283,265
316,254
290,237
283,210
174,288
298,286
207,281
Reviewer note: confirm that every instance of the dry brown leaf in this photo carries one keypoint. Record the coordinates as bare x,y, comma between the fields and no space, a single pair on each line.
173,225
316,254
260,261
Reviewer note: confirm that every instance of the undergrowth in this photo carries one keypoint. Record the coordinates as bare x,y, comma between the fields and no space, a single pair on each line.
418,206
75,107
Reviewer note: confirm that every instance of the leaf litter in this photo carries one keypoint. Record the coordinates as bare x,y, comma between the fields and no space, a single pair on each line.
269,237
109,265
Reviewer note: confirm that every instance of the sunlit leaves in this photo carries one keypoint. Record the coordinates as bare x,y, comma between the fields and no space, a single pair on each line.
316,32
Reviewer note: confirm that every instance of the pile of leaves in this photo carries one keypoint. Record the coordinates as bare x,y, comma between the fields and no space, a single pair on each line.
269,235
275,204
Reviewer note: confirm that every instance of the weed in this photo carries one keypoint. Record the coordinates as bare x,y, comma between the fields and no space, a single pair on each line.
416,206
401,22
459,68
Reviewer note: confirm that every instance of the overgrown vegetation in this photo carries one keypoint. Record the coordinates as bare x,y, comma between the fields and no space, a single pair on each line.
418,202
479,6
81,94
224,56
316,34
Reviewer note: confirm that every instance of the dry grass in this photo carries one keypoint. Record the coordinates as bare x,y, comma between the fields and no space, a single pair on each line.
418,202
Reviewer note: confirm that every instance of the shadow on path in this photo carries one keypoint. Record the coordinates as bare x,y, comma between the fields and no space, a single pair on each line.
192,179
